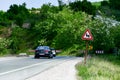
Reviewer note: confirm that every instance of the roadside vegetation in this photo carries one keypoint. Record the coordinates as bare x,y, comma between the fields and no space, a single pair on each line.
61,27
100,67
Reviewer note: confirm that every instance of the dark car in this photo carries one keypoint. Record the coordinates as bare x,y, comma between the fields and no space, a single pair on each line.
43,51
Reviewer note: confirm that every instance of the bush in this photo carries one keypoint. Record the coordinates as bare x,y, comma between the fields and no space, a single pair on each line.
4,45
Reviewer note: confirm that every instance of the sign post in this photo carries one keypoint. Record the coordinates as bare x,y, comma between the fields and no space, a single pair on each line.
87,36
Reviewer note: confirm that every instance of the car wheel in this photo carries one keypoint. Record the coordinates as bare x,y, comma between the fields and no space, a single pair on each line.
36,57
54,55
50,56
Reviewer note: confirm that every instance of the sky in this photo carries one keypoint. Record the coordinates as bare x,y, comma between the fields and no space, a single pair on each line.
5,4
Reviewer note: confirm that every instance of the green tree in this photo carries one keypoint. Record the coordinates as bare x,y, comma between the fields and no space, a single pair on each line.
3,19
115,4
61,5
88,7
115,32
111,8
18,13
46,23
17,36
4,45
46,29
104,3
103,40
84,6
71,30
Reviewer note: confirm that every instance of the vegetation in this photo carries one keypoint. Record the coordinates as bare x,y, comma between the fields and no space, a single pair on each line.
102,67
17,13
111,8
84,6
59,26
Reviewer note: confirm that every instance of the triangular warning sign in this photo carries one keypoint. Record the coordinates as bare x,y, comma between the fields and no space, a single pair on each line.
87,35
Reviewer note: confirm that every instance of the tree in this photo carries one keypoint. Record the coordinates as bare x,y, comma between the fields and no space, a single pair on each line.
76,6
4,45
46,29
71,29
103,40
115,4
111,8
18,13
61,4
45,8
104,3
115,32
84,6
3,19
17,36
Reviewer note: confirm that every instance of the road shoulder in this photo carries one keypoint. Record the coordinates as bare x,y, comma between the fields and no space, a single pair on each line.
64,71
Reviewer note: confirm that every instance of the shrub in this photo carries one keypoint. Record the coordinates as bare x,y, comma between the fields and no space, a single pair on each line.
4,45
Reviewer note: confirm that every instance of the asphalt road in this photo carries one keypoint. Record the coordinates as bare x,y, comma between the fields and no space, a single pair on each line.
26,67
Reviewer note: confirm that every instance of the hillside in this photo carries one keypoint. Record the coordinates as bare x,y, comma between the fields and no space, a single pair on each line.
60,27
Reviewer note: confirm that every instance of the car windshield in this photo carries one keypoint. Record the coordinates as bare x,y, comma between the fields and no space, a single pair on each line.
42,47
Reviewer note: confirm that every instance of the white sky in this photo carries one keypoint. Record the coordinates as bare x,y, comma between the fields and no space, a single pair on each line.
5,4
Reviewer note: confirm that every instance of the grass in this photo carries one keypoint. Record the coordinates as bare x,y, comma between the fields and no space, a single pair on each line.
105,67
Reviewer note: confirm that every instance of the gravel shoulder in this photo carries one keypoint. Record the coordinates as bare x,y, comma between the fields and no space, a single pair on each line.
64,71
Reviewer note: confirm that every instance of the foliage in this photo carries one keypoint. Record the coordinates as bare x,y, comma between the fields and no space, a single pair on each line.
46,29
102,36
42,42
18,13
3,19
19,41
60,26
115,32
104,3
71,28
96,4
4,45
61,5
115,4
111,8
84,6
48,8
93,70
72,51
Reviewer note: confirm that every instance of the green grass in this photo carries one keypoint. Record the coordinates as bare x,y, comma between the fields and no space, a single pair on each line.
100,68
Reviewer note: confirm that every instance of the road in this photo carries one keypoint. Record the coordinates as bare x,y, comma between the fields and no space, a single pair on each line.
26,67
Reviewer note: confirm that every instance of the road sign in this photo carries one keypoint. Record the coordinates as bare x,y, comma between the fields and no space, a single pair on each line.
87,35
90,47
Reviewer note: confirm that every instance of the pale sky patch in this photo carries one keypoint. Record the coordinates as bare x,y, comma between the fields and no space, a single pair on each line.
5,4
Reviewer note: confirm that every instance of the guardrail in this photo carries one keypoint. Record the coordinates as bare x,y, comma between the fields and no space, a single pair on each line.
99,51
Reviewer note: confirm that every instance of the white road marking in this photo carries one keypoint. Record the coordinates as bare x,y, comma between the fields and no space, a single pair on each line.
22,68
30,66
